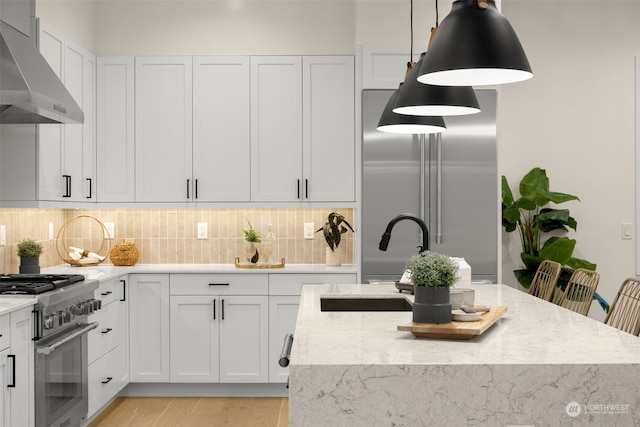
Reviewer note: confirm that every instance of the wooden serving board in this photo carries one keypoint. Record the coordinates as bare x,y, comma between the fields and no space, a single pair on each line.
456,330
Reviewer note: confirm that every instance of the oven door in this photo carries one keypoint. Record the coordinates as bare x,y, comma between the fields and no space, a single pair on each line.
61,366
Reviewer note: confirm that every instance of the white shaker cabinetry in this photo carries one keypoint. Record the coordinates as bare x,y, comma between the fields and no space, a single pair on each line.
116,124
163,128
219,329
221,129
16,369
303,128
108,345
149,327
284,299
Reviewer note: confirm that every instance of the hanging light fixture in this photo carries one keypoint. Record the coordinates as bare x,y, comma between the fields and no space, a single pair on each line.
401,123
419,99
474,45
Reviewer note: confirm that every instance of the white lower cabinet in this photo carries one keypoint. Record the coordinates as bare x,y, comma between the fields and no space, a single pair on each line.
149,327
216,334
108,344
16,369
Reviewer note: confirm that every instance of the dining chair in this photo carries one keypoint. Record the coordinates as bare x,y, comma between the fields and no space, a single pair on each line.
545,279
579,292
625,310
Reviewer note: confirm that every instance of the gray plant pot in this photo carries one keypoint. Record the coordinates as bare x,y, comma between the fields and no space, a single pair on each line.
432,304
29,265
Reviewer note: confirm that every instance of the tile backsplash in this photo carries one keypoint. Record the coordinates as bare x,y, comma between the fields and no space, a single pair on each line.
170,235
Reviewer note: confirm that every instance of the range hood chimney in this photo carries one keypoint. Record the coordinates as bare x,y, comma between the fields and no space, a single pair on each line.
30,91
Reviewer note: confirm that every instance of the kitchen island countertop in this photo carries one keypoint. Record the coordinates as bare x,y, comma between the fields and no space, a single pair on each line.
355,368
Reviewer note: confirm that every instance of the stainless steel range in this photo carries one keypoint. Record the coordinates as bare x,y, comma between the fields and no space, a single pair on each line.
60,335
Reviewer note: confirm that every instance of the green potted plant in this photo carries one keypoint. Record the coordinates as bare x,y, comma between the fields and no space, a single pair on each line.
29,252
332,230
251,237
432,275
532,217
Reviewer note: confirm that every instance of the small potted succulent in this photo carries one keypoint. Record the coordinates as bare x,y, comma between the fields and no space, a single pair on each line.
432,275
251,237
29,252
332,231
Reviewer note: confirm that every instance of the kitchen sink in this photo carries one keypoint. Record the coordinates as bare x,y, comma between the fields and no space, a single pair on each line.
364,304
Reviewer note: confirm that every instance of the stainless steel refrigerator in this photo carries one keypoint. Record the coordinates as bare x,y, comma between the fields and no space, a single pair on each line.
449,180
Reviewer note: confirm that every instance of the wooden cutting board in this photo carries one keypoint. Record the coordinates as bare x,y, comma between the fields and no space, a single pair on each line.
456,330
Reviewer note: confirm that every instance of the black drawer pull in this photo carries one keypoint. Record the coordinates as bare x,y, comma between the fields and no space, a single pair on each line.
106,331
108,380
13,370
218,284
104,294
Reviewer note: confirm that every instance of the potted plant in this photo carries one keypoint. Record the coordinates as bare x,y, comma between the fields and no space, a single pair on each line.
29,252
251,237
432,275
332,231
532,217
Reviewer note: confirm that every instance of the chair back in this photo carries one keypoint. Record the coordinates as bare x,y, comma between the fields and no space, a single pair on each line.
545,279
579,292
625,310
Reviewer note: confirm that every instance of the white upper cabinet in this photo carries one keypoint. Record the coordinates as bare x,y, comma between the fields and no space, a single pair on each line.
302,129
276,128
115,124
221,129
163,106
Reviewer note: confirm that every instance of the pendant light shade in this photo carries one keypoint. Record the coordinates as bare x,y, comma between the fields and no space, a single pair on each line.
400,123
419,99
474,46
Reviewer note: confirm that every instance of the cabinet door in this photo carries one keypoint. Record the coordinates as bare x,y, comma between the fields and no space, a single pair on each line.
283,313
50,138
115,129
163,129
276,129
194,339
89,128
5,392
244,338
149,327
221,129
329,128
22,399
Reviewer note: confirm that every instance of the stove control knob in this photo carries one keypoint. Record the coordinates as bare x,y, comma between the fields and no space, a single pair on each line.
60,317
48,322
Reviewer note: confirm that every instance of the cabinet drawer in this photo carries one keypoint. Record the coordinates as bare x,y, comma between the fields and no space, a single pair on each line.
291,284
107,376
107,335
5,331
108,291
219,284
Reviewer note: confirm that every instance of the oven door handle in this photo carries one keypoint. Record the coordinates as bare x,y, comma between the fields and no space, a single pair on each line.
47,349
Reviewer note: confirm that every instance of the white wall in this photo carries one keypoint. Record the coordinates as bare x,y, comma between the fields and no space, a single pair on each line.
575,118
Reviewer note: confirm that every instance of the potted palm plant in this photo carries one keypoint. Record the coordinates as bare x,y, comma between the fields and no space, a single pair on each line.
332,230
29,252
432,275
251,237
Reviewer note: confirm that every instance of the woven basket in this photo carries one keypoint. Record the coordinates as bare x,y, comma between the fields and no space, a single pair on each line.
124,254
86,233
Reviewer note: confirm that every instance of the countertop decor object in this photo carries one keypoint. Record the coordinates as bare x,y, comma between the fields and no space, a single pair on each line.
332,230
124,254
29,252
457,329
83,241
251,238
258,265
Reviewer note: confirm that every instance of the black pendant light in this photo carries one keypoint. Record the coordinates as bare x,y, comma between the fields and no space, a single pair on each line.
401,123
419,99
474,45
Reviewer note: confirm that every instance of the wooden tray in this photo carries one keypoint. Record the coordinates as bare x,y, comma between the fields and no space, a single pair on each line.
456,330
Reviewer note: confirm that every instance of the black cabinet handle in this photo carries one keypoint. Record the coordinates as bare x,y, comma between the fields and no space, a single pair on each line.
223,309
196,189
124,290
90,189
298,189
214,309
104,294
13,370
306,188
188,185
108,380
218,284
106,331
67,185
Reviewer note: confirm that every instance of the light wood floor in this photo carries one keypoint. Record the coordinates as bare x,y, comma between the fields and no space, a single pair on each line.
195,412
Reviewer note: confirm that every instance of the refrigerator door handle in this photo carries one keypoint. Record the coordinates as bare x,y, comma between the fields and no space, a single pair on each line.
438,139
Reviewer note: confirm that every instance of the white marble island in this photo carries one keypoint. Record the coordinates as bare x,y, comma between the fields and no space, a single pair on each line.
539,365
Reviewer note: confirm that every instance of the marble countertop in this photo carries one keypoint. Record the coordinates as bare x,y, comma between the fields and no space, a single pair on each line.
532,331
10,304
105,272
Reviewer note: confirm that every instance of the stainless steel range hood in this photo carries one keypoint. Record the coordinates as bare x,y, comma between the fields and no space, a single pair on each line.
30,91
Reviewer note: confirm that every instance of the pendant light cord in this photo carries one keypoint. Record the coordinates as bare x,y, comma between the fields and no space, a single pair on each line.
410,64
437,19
